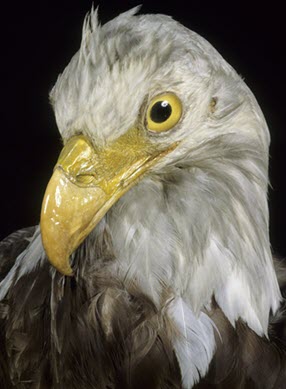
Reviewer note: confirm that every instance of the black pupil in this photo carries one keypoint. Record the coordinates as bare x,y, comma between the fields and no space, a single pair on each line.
161,111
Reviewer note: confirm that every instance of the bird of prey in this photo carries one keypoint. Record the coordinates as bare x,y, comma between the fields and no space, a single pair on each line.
151,267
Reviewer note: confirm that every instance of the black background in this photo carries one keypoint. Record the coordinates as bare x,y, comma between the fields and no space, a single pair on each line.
38,40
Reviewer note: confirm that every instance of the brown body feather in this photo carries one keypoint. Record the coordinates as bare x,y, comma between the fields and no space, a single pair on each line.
89,332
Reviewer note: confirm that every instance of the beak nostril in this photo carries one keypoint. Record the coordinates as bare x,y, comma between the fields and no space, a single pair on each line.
84,179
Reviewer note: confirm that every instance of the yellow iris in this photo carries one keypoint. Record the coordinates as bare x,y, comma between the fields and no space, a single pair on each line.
164,112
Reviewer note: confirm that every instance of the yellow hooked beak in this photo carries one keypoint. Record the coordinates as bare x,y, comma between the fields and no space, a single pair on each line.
86,182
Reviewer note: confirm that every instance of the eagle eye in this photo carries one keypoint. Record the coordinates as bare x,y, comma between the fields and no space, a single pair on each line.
163,112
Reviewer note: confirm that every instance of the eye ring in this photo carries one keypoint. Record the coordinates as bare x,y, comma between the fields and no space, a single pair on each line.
164,112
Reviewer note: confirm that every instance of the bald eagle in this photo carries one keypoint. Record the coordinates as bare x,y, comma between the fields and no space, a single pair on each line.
151,267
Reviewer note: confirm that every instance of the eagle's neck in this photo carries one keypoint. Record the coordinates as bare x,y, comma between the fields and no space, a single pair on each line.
201,235
188,238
